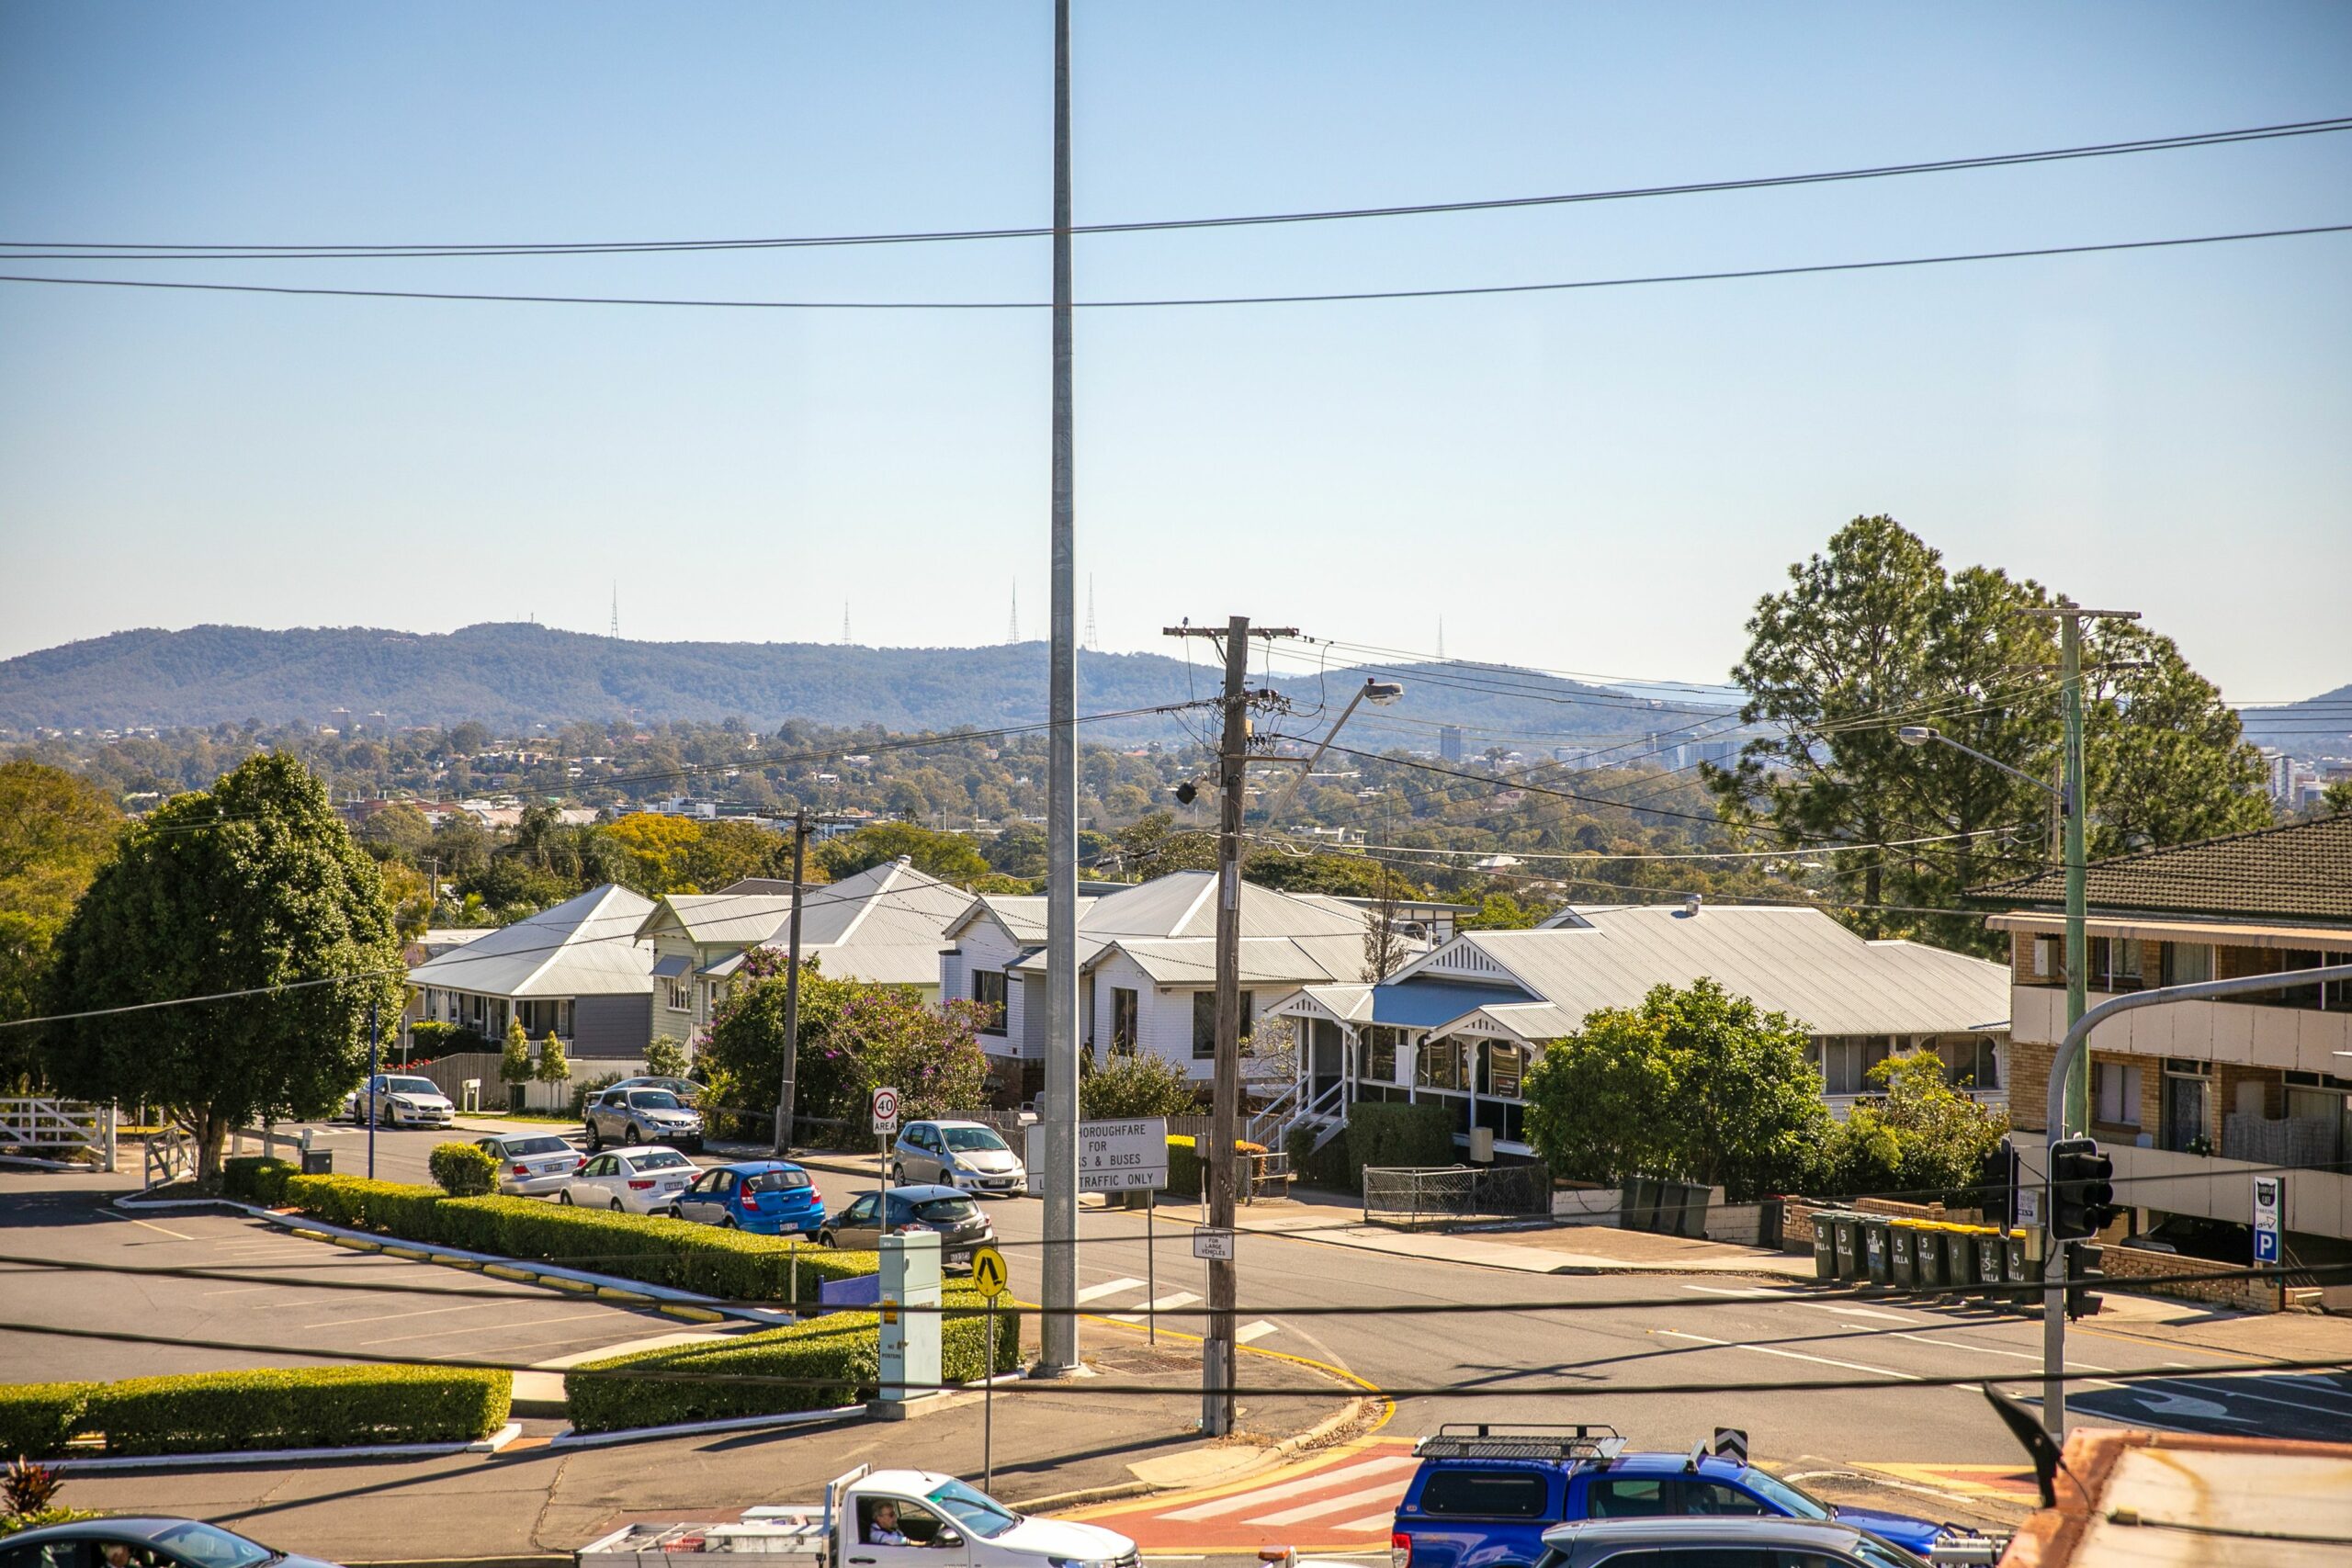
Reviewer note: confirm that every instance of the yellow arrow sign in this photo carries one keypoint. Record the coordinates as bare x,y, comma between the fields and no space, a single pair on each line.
988,1272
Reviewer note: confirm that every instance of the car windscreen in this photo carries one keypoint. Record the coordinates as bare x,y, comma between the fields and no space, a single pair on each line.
944,1211
1788,1499
661,1159
653,1099
974,1510
206,1547
549,1145
411,1086
971,1140
778,1182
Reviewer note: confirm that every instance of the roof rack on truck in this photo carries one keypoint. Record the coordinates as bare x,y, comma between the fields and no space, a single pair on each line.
1533,1440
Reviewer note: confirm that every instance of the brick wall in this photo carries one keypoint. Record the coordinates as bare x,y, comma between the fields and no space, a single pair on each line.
2030,1084
2230,1289
1796,1217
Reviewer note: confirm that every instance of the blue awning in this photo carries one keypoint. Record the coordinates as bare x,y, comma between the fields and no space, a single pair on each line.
1425,1004
670,968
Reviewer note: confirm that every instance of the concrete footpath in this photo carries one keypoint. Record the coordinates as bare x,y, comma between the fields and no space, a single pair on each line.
535,1503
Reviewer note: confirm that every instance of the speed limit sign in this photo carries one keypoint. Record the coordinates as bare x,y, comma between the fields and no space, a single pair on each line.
886,1110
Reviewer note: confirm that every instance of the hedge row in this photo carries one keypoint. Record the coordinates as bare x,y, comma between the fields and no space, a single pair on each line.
1379,1134
729,1264
839,1354
1184,1165
269,1408
257,1178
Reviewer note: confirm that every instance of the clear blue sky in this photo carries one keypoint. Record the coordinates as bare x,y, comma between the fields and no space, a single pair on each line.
1598,482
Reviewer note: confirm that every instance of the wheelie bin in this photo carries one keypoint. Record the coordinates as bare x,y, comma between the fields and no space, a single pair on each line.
1902,1256
1877,1263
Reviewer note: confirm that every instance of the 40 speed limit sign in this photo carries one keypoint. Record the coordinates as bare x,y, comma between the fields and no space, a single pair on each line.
886,1110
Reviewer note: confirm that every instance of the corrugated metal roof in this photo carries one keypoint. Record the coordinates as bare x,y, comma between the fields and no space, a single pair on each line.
1264,960
884,924
2301,871
1799,962
1425,1004
723,920
1183,904
584,947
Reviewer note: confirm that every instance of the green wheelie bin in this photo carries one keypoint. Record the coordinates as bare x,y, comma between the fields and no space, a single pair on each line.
1929,1246
1877,1263
1903,1254
1824,1246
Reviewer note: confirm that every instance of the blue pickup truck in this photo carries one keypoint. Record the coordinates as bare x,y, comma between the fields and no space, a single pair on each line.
1485,1494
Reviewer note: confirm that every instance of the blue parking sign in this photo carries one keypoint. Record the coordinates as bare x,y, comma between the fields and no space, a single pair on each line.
2269,1199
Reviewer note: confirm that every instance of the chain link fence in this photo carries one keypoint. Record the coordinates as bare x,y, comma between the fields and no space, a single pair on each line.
1412,1197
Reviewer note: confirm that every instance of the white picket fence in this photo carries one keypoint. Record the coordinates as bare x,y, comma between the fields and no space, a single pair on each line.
35,1124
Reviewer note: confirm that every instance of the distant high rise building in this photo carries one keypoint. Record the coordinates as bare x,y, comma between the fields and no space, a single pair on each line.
1449,743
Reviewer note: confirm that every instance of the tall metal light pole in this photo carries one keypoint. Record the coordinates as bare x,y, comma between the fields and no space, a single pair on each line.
785,1091
1057,1331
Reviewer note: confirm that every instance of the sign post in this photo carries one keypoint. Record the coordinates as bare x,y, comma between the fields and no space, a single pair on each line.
886,1127
2270,1208
988,1278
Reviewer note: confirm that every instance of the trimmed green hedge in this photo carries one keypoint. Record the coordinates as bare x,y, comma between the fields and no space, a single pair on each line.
37,1418
1328,1166
841,1350
1184,1165
257,1178
1379,1134
731,1265
272,1407
463,1170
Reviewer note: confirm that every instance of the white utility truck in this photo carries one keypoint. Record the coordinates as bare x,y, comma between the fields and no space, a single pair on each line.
878,1518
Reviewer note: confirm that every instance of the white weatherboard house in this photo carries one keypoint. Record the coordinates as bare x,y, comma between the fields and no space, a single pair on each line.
576,969
1146,968
1462,1026
883,924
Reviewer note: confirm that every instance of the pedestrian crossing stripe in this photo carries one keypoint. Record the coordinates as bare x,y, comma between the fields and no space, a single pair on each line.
1341,1501
2004,1480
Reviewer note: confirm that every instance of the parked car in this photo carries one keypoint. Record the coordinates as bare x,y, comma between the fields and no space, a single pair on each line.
961,1224
640,1116
1485,1494
634,1181
1705,1542
531,1163
768,1197
151,1541
686,1089
966,1155
402,1099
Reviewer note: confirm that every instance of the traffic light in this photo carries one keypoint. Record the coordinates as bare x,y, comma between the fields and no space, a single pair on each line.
2083,1275
2082,1193
1995,1181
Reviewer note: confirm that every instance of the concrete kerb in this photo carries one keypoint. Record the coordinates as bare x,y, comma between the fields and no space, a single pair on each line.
839,1414
684,1304
490,1445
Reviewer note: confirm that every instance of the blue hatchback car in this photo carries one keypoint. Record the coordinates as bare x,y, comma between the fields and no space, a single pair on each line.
767,1197
1484,1495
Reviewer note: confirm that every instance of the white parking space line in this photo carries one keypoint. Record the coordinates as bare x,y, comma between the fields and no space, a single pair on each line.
543,1323
393,1316
1845,1311
1165,1303
1733,1291
1112,1288
1355,1499
1321,1478
1791,1355
1250,1332
176,1234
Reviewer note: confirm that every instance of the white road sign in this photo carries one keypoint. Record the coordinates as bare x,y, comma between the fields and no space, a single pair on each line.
886,1110
1217,1244
1123,1156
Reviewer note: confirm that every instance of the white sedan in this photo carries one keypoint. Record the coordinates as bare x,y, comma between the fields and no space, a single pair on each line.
400,1101
632,1182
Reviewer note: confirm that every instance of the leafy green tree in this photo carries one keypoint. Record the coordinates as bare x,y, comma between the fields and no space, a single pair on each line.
1154,846
1698,1084
55,832
1138,1084
665,1058
658,850
252,885
2337,798
727,852
552,1067
398,830
1499,912
951,857
1919,1138
514,1059
855,1036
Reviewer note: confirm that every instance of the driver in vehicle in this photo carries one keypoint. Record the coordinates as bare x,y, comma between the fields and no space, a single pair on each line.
882,1529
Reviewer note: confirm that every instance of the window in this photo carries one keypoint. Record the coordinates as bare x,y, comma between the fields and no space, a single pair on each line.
1505,1065
2115,1093
1438,1065
1715,1498
1972,1063
682,995
1123,1021
1376,1056
1629,1497
861,1212
1205,1023
2049,966
1844,1061
1487,1495
987,990
2188,1106
2115,963
2185,963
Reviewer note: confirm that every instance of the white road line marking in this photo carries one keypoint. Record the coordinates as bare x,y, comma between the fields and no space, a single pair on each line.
1841,1308
1370,1523
1346,1500
434,1333
1362,1470
1250,1332
394,1316
156,1227
1791,1355
1096,1293
1165,1303
1732,1290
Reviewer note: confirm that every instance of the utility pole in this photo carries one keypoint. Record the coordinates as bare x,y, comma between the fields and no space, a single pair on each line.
1057,1328
792,989
1217,1359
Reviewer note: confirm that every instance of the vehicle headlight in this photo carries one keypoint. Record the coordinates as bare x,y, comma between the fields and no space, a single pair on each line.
404,1102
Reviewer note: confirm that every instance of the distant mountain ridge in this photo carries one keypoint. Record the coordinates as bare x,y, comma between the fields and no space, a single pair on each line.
2316,727
516,675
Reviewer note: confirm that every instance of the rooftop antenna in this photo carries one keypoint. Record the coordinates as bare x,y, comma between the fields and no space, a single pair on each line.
1091,642
845,642
1012,628
617,609
1440,636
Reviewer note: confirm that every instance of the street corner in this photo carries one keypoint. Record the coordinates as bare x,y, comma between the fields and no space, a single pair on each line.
1978,1482
1343,1500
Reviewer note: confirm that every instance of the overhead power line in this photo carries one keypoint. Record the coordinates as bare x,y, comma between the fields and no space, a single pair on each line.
206,250
1337,297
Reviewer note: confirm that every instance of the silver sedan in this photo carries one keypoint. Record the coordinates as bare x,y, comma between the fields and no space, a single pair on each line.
530,1163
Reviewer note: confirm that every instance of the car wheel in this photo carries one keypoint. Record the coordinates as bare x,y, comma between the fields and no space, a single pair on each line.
824,1238
671,1213
898,1174
617,1207
628,1133
564,1196
595,1138
727,1223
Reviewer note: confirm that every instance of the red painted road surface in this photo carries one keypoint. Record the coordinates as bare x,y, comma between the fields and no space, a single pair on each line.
1344,1501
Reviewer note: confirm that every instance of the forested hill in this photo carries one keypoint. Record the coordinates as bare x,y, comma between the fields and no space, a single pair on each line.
512,676
2316,727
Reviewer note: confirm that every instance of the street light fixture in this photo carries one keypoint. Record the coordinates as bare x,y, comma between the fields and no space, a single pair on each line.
1920,734
1379,694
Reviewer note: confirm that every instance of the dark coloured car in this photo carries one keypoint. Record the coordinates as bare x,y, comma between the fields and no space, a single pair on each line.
150,1541
768,1197
1698,1542
961,1223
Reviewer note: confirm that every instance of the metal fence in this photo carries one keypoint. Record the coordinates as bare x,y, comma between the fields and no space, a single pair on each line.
1412,1197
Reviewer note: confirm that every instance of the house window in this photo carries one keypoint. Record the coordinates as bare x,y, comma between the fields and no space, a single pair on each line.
2115,1093
987,990
1438,1065
1376,1056
1972,1063
1205,1023
682,995
2185,963
2115,963
1123,1021
2188,1106
1844,1061
1505,1065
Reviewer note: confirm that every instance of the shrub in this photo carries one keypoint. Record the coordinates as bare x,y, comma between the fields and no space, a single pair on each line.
1184,1177
1328,1166
665,1058
552,1067
299,1408
582,1090
435,1039
1384,1133
257,1178
357,1204
464,1170
1141,1084
37,1418
839,1355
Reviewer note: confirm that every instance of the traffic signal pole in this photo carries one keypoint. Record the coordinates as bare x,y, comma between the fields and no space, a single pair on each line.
2071,1050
